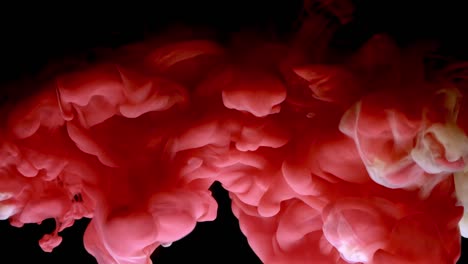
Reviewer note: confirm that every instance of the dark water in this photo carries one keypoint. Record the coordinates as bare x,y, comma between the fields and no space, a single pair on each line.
62,35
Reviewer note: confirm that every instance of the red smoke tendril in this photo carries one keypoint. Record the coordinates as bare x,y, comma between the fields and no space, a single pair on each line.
324,162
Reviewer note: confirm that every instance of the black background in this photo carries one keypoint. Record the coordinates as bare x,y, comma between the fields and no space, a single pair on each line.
33,36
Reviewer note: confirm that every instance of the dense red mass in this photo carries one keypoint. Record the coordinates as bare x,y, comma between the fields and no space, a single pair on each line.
349,162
